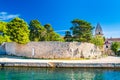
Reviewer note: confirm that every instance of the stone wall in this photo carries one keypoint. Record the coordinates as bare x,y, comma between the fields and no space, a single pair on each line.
2,49
53,50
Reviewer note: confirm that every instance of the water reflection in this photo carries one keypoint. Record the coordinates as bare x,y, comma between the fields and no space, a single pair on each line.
58,74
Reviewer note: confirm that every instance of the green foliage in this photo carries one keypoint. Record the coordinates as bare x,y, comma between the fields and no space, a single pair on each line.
98,41
68,36
81,30
42,33
104,38
1,39
3,31
115,46
51,35
18,31
49,28
4,39
3,27
37,31
118,53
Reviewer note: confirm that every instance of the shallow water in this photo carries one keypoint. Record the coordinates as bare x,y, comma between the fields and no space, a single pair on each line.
22,73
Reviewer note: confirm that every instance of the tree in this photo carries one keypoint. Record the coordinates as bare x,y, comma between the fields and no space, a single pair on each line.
115,47
81,30
68,36
3,27
98,41
3,31
18,31
49,28
37,31
50,32
42,33
4,39
51,35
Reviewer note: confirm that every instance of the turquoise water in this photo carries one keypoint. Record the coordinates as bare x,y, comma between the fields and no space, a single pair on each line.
58,74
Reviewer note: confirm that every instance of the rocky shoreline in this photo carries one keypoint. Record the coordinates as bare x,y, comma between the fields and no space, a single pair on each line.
61,65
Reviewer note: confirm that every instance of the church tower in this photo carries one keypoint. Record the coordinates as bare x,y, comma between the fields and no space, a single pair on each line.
98,30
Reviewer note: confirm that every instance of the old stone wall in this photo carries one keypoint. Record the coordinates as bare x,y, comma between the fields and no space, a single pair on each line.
53,50
10,48
2,49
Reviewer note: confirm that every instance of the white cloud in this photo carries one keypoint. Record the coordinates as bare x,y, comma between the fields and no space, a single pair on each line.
6,16
3,13
61,30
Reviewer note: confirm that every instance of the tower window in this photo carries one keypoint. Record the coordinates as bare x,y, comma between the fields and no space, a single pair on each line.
99,32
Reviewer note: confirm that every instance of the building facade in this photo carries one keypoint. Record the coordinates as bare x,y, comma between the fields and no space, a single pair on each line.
108,41
98,30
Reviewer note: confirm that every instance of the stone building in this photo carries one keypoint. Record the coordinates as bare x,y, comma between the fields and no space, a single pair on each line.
98,30
108,41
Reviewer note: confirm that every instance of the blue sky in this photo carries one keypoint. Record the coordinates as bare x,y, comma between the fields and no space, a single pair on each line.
59,13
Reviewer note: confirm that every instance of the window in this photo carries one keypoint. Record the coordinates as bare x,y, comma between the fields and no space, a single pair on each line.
99,32
106,46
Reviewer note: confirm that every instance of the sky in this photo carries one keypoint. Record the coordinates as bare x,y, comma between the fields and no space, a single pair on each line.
60,13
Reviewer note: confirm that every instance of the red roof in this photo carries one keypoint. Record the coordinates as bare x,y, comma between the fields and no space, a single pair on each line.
113,39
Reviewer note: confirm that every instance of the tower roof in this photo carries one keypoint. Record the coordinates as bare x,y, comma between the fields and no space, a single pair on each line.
98,30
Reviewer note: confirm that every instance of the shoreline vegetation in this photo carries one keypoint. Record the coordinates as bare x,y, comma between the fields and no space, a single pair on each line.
19,31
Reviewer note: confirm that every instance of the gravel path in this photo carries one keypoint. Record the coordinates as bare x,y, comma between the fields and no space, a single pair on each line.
109,59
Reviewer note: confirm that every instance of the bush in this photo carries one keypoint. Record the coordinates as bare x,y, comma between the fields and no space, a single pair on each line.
115,47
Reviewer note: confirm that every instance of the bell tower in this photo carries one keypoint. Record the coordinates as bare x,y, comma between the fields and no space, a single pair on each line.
98,30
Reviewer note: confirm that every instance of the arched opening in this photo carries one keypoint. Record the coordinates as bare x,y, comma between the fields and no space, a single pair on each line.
99,32
106,46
